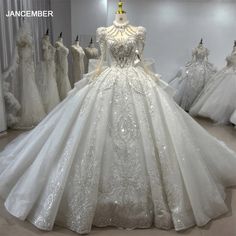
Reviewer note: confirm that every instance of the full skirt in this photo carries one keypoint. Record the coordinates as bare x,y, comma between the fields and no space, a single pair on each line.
218,99
118,151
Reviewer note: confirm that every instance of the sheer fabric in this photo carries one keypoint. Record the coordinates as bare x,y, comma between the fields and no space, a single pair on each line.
190,81
117,151
218,99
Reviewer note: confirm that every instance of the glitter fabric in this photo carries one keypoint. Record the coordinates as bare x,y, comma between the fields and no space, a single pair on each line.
118,151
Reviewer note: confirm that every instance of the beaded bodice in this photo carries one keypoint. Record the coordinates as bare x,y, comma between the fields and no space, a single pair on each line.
200,53
123,43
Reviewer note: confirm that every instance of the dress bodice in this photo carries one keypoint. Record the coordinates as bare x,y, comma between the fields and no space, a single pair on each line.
91,52
48,50
200,53
123,44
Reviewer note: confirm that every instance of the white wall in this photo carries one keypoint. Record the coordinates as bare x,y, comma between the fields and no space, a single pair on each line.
86,17
61,21
174,27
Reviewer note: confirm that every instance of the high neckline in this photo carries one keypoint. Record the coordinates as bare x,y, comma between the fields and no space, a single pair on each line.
120,25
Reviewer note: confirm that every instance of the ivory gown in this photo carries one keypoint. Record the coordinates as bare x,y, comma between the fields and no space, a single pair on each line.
217,101
117,151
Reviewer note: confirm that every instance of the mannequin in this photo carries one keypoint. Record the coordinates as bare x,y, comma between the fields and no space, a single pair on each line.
191,80
46,75
121,17
61,61
78,60
91,52
200,52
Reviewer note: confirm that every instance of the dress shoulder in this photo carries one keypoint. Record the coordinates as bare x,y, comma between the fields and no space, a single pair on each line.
141,32
100,34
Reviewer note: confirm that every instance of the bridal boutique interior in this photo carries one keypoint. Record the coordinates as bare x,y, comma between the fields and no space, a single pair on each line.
190,51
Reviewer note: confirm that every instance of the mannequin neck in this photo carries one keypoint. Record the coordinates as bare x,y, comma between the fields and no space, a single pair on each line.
77,43
200,45
121,19
60,40
46,38
91,45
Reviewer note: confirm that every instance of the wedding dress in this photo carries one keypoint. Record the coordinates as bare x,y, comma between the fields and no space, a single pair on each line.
117,151
78,61
46,76
63,82
190,81
32,111
218,99
91,52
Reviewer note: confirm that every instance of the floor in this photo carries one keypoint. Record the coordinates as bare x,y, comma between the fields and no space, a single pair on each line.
224,226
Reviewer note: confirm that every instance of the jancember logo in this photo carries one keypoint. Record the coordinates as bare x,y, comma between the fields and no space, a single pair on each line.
29,13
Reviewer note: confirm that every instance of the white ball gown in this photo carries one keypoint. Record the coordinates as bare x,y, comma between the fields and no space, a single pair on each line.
190,81
46,76
117,151
218,99
32,111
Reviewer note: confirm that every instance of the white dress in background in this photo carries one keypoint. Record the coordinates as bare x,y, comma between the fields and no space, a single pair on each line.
117,151
91,52
78,61
218,99
46,76
32,111
192,79
63,82
12,106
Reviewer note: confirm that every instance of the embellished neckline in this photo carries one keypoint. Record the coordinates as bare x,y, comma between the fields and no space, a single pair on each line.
120,25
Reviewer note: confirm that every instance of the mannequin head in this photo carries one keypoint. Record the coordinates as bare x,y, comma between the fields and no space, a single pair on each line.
60,39
121,17
91,44
200,45
77,40
46,36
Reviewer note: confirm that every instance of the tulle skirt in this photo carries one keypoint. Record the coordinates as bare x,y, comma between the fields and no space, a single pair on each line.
118,151
218,99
